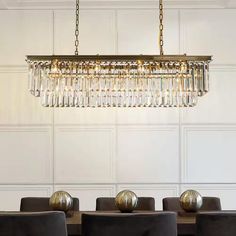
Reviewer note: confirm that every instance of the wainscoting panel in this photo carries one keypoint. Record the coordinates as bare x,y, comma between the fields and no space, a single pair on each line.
17,105
147,154
208,32
226,193
158,191
84,154
10,195
150,116
97,32
88,194
138,31
209,154
26,155
216,106
85,116
25,33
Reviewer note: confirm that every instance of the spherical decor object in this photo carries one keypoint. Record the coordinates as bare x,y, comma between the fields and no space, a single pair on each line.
126,201
61,201
191,201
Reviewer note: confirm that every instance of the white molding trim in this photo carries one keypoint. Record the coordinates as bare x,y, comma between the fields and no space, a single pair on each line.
223,68
173,187
87,187
114,4
184,143
13,69
149,127
32,129
89,128
21,187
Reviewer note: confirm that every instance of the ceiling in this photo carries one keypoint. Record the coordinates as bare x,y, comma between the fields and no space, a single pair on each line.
69,4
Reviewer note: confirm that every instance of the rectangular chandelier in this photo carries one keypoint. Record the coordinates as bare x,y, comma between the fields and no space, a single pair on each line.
119,81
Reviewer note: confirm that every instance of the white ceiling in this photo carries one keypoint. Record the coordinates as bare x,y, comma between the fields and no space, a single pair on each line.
61,4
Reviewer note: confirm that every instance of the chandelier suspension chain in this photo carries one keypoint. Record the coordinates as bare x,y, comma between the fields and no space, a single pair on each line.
77,29
161,27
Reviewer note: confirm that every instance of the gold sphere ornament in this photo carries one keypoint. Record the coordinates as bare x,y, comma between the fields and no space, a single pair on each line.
61,201
126,201
191,201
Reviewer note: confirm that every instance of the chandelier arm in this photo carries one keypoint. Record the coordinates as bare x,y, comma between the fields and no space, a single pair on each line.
77,29
161,28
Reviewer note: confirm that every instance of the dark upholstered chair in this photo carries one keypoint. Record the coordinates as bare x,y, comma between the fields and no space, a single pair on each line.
33,224
209,204
108,204
33,204
216,224
129,224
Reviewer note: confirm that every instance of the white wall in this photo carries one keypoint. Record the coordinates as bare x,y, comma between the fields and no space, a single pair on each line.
97,152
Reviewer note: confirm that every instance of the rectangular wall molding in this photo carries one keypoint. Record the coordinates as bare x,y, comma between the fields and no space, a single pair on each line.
88,153
88,194
208,149
158,191
10,195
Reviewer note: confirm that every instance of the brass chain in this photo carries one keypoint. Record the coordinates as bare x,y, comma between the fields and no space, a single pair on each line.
77,29
161,27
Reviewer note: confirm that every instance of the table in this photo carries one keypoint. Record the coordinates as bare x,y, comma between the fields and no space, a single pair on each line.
185,224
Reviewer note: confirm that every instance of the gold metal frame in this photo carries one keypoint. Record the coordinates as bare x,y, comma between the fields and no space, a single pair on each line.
118,58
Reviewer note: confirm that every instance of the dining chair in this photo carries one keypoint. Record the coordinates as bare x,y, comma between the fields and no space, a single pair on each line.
209,204
108,204
216,224
33,204
33,224
129,224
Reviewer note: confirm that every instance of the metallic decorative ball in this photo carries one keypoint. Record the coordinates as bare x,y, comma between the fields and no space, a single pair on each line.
126,201
61,201
191,201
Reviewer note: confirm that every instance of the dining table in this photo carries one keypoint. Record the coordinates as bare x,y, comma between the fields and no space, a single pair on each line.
186,223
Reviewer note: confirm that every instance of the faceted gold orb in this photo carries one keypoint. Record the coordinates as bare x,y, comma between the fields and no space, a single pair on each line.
191,201
126,201
61,201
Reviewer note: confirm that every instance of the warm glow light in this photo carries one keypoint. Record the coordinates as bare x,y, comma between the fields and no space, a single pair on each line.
151,82
119,81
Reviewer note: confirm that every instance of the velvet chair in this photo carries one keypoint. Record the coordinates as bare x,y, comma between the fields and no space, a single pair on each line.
129,224
33,204
33,224
216,224
209,204
108,204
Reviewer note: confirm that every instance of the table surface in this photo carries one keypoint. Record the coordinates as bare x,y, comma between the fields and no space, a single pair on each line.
185,223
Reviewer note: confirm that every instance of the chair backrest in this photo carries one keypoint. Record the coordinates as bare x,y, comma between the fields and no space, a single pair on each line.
33,224
134,224
209,204
216,224
33,204
108,204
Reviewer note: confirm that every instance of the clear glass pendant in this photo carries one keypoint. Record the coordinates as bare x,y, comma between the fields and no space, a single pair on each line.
118,83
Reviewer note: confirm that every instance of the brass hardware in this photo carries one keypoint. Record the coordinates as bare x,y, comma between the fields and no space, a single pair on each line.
161,28
191,201
77,29
61,201
120,58
126,201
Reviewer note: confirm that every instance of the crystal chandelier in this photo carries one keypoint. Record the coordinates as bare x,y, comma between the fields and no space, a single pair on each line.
119,81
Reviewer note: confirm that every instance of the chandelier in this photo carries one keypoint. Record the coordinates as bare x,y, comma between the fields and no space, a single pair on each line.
118,80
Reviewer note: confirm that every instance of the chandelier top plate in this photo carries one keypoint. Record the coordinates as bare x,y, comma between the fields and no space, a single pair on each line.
118,57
